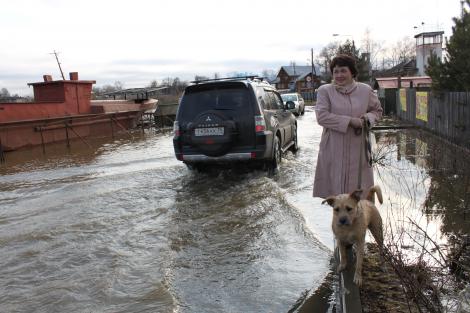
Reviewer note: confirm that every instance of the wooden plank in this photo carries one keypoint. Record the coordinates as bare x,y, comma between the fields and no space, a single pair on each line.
454,119
412,100
467,119
451,116
445,115
432,112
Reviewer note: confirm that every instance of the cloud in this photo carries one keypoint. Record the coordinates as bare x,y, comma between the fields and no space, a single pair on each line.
136,42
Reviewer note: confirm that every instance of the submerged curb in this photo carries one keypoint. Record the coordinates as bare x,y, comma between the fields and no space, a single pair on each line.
348,297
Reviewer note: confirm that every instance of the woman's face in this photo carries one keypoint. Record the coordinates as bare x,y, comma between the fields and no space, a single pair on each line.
342,75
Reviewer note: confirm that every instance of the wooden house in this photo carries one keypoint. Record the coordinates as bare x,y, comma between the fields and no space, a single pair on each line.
297,78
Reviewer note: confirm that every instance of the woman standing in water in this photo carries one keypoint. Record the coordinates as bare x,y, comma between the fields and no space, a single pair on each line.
341,108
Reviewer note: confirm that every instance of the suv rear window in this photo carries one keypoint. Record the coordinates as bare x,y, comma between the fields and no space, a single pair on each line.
205,98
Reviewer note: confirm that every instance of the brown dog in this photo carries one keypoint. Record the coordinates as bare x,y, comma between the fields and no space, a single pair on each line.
351,218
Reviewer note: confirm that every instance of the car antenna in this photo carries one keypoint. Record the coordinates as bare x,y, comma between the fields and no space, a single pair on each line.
58,63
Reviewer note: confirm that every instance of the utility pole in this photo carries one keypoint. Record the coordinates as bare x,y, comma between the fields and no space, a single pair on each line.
60,68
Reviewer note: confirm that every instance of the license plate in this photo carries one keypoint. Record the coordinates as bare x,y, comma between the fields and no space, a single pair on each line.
209,131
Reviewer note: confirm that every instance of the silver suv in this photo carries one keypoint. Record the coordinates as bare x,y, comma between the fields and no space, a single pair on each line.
295,102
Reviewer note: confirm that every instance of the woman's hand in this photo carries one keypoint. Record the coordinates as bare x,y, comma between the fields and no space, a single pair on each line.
356,122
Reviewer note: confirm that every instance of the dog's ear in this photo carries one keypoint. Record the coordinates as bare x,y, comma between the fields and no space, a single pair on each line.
356,195
330,200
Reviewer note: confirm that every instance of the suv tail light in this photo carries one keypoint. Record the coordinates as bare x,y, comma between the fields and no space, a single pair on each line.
260,124
176,128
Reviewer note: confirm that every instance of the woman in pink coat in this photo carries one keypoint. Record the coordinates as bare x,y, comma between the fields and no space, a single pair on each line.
341,108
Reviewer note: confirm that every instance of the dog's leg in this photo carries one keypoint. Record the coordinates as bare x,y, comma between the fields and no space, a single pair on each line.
343,257
377,232
359,259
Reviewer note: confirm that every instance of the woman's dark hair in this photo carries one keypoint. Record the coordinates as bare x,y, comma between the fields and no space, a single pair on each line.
344,60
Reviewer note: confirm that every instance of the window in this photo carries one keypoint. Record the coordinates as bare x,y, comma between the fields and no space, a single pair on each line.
229,97
274,100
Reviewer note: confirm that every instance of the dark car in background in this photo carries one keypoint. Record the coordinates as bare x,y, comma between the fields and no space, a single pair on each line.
233,119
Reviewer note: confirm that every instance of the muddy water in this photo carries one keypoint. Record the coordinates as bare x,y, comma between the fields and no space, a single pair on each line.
124,227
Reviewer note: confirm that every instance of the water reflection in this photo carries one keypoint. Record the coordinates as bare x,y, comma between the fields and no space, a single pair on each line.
58,155
425,164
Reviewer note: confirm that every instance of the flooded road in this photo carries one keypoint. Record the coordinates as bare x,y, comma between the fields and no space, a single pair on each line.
125,227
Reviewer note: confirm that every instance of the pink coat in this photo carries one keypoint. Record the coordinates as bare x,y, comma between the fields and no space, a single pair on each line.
338,157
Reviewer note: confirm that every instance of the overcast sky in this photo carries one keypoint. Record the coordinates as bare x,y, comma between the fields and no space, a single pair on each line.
138,41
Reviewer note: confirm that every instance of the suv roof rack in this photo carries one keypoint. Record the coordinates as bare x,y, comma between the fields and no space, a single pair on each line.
251,77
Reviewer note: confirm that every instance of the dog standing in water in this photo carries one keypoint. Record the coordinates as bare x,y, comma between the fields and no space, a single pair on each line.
351,219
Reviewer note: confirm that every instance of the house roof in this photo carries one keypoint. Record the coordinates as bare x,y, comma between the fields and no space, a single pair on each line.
274,81
296,70
404,68
301,71
301,77
429,34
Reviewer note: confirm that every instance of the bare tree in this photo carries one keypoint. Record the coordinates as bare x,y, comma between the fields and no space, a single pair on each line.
372,47
153,84
326,55
98,91
200,77
178,86
118,85
4,93
269,74
402,51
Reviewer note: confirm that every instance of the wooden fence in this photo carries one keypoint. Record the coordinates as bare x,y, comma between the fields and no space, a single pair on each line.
445,114
309,95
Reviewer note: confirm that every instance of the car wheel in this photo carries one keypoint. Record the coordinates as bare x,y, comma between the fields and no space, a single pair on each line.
277,154
295,147
303,111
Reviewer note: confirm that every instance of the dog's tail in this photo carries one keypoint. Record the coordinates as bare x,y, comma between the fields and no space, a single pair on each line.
375,189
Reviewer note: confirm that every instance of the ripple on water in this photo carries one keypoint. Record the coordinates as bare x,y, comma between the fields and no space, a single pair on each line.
127,228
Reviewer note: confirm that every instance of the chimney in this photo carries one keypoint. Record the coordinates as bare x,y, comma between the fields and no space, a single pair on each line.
73,75
47,78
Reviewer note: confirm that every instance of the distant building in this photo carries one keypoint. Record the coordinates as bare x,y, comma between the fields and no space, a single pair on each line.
405,68
15,99
297,78
412,73
427,43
